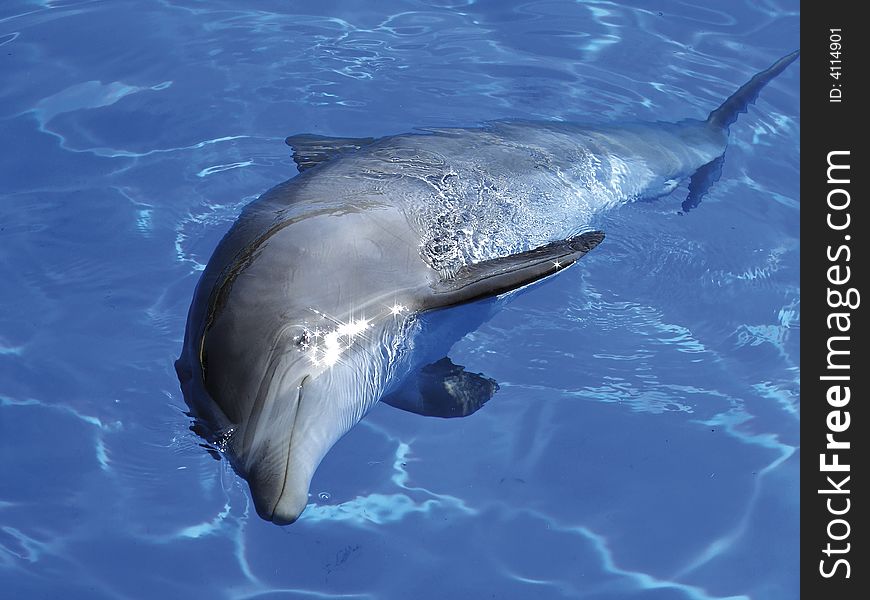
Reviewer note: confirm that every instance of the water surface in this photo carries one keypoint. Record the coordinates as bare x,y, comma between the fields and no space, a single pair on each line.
644,440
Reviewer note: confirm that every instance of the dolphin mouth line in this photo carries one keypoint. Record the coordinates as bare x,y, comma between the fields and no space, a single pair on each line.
289,448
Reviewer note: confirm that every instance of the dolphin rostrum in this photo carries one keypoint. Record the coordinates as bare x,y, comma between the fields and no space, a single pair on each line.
334,289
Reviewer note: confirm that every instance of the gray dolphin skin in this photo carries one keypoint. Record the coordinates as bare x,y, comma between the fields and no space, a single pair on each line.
340,287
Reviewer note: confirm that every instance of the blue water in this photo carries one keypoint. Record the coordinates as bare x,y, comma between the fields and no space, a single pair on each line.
644,441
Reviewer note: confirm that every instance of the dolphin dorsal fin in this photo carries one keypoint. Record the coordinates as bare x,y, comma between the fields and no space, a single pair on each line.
507,273
309,150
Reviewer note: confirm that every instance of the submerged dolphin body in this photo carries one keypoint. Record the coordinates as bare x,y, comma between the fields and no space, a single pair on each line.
329,292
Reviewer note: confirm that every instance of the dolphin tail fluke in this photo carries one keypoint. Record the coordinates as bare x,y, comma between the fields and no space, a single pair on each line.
701,182
737,103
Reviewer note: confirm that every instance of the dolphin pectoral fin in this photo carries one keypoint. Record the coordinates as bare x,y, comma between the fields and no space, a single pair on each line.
507,273
701,182
443,389
309,150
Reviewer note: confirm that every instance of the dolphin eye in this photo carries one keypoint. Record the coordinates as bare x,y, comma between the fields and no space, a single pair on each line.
303,341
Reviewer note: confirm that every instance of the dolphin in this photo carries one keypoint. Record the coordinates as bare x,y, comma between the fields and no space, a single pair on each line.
338,288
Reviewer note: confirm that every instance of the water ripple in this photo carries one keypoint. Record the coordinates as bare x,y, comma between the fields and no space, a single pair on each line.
667,357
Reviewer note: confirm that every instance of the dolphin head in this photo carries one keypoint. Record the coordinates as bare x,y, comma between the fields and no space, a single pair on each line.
290,342
286,396
278,449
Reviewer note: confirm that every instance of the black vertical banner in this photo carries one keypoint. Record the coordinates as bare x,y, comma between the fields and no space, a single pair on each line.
834,260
